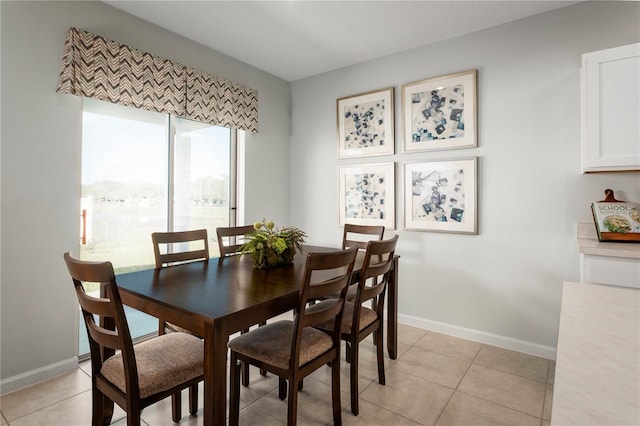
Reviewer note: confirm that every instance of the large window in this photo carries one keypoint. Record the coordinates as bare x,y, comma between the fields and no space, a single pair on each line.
143,172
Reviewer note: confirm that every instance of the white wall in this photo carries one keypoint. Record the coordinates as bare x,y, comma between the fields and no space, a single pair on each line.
502,286
40,168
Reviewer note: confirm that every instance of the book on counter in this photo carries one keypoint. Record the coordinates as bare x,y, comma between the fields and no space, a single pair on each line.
616,220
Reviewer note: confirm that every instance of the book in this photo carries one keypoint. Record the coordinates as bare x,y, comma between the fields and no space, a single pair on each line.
617,221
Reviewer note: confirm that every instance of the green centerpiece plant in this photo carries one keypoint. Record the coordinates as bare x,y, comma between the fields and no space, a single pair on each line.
269,246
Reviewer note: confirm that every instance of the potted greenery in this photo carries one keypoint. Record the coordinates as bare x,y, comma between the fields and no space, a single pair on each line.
269,246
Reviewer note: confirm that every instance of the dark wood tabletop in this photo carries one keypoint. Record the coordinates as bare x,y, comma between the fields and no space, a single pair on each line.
216,300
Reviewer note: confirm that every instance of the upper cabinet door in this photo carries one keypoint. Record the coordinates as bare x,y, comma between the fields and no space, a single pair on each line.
610,86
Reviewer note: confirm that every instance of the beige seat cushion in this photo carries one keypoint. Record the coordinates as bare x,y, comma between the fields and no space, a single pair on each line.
272,344
367,316
163,362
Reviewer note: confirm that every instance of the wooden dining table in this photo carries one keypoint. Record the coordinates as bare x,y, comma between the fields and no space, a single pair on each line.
217,300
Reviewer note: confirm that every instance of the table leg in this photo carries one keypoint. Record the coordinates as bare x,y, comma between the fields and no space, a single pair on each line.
219,374
392,312
208,375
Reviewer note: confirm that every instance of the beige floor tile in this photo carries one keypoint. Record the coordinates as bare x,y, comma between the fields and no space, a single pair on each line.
368,351
465,409
74,411
506,389
372,415
546,423
419,400
159,414
3,421
428,365
548,403
367,374
529,366
409,335
314,407
24,401
552,372
455,347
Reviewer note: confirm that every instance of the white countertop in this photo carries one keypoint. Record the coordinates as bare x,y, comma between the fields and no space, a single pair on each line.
588,244
597,378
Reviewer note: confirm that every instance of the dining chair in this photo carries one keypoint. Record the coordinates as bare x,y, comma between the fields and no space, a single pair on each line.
132,376
173,248
172,254
360,235
169,249
230,239
359,320
294,349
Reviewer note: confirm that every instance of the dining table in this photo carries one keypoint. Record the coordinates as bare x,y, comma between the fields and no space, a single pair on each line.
217,299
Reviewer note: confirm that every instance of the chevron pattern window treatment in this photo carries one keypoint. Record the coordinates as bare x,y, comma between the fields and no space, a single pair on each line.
95,67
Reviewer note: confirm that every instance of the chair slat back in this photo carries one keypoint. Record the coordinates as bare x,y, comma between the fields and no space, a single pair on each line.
325,274
374,276
360,235
230,239
111,332
171,255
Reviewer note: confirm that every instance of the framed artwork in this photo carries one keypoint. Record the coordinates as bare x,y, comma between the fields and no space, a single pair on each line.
440,113
441,196
365,124
367,194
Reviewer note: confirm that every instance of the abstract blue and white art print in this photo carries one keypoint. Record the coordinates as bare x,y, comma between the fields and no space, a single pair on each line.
367,195
441,196
365,124
440,113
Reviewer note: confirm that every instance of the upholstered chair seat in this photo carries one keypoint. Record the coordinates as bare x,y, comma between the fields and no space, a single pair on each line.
163,363
272,344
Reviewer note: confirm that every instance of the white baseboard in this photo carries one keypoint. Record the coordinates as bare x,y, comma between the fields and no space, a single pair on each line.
523,346
31,377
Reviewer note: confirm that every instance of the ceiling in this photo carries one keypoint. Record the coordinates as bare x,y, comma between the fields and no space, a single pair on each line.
294,39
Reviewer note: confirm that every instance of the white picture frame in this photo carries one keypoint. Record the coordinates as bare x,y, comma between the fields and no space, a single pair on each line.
367,194
441,196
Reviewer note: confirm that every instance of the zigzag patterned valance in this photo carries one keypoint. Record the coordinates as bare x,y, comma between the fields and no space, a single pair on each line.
95,67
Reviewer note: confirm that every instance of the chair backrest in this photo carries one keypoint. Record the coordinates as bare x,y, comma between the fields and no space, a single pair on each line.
169,240
230,239
324,274
360,235
111,332
374,275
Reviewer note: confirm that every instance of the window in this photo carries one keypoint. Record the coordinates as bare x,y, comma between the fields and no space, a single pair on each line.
143,172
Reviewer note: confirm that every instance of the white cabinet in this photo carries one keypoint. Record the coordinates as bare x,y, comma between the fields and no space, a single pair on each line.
610,110
610,263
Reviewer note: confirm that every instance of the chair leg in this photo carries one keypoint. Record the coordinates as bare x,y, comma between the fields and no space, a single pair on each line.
292,404
354,378
193,400
380,356
245,366
176,406
335,393
234,390
282,388
263,372
102,409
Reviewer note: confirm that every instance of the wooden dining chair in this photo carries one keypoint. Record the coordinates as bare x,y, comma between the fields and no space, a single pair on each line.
132,376
294,349
360,235
230,239
169,249
359,320
174,248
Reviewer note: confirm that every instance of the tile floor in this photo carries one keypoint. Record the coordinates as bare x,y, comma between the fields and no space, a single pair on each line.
436,380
